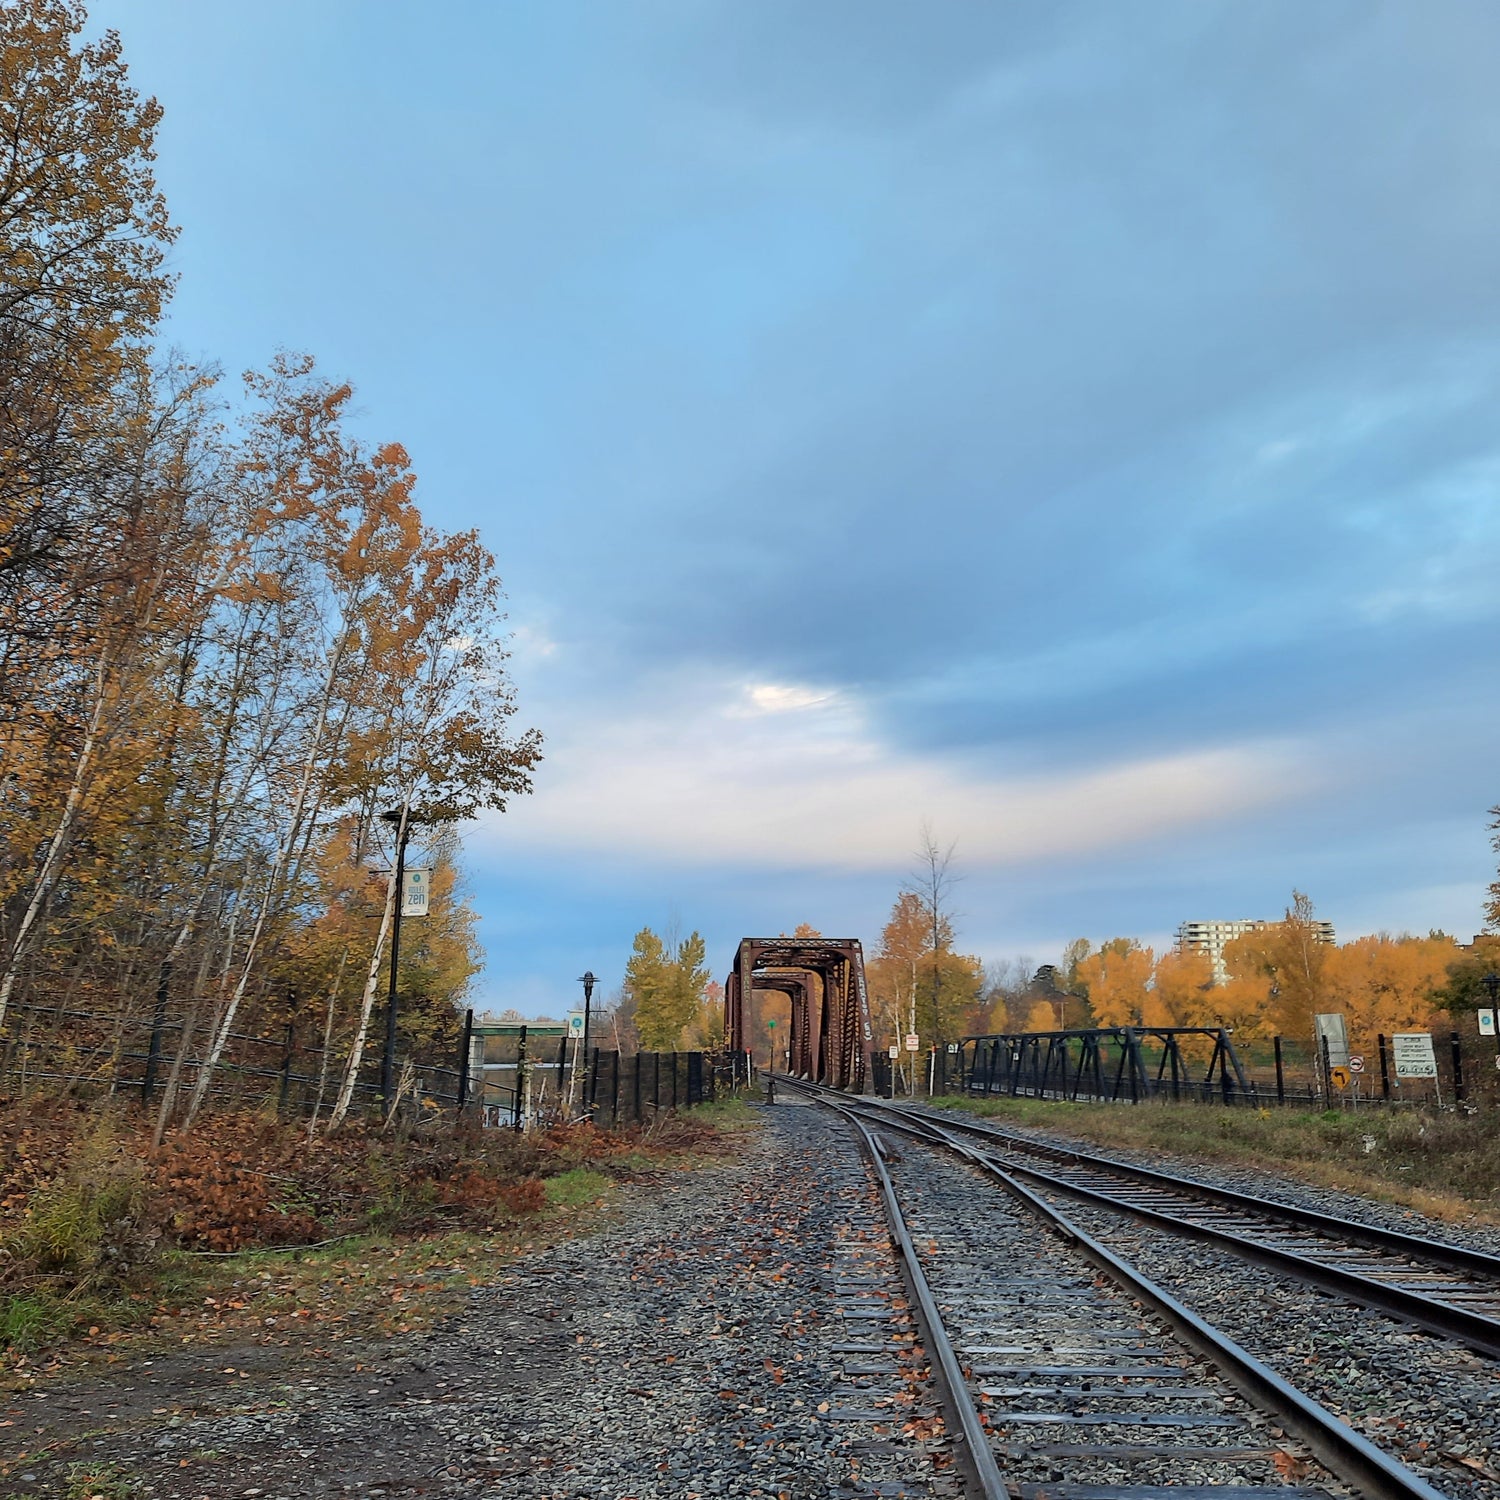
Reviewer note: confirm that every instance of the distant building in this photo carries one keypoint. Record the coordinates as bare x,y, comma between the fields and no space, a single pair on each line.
1212,937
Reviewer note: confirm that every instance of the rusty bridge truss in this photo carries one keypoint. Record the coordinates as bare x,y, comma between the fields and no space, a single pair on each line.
1119,1062
824,978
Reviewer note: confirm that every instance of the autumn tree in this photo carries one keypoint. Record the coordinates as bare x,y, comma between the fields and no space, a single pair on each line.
914,985
1182,985
83,236
666,980
1287,959
1492,894
228,641
1463,988
1118,978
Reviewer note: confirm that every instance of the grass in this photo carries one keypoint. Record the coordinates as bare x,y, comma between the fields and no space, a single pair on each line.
100,1482
577,1188
733,1111
1446,1165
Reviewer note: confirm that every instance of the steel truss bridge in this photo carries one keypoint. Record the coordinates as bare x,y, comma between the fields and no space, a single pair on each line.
1115,1062
824,978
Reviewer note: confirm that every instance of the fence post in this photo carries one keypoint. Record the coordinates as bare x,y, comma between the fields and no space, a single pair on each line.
1280,1071
520,1079
636,1088
1459,1091
465,1061
288,1044
1385,1069
158,1024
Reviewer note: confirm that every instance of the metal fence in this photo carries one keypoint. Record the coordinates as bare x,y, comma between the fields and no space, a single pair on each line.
1133,1065
53,1049
56,1050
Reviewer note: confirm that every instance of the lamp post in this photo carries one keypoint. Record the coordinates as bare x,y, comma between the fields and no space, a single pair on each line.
1491,982
588,980
400,819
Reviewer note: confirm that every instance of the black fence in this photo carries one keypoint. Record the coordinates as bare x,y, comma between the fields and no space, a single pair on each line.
1134,1065
59,1050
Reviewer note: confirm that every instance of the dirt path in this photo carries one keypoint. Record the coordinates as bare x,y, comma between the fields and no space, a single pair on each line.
690,1348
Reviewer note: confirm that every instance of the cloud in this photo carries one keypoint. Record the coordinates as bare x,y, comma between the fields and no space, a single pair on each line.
785,776
781,698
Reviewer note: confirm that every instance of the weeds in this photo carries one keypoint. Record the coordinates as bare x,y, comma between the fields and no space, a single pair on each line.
1443,1164
100,1482
99,1234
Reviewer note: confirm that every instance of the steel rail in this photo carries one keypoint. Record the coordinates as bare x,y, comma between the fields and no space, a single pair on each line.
1472,1329
1347,1455
1437,1252
972,1450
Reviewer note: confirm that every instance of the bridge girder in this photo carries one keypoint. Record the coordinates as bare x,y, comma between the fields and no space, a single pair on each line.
831,1034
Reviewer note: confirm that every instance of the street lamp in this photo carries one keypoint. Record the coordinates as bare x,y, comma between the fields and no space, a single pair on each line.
404,820
588,980
1491,982
399,818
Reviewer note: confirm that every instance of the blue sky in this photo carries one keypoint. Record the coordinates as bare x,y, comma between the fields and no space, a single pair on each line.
1073,425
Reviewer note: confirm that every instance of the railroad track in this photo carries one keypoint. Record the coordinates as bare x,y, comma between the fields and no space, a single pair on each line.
1449,1290
1065,1373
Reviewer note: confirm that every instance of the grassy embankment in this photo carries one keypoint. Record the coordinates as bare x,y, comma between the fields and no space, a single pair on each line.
246,1232
1446,1165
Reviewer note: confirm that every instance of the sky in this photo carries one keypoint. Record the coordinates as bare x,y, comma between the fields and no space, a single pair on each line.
1069,428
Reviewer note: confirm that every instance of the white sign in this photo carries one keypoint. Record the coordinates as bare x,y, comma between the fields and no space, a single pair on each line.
913,1041
414,892
895,1052
1412,1051
575,1023
1332,1031
1356,1064
1486,1023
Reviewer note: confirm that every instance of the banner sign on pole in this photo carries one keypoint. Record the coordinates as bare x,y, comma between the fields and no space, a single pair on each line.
1412,1051
1486,1022
414,893
575,1023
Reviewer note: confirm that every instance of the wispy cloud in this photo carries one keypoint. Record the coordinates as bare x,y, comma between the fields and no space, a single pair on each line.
802,781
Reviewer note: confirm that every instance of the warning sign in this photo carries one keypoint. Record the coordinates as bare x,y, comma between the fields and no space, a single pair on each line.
1412,1054
1339,1077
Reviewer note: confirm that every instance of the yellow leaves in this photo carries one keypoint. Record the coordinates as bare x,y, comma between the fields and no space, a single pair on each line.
1118,976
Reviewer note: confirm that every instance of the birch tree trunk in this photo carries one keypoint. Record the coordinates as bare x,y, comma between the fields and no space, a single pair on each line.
367,1000
274,877
57,845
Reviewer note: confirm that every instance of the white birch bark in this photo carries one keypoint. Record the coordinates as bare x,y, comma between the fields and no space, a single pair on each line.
372,986
57,845
272,888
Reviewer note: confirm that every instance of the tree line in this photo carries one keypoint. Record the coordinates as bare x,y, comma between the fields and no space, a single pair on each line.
1275,979
237,665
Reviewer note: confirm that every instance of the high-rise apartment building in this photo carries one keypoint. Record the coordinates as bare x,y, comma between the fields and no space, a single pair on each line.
1211,938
